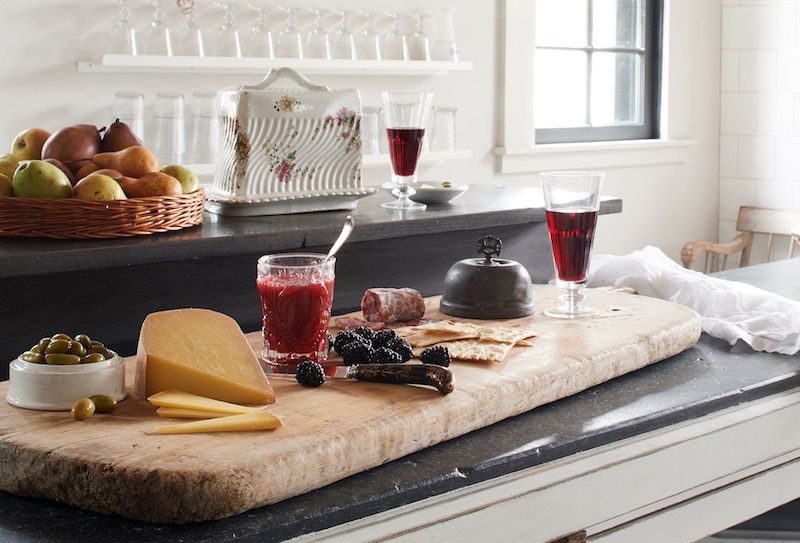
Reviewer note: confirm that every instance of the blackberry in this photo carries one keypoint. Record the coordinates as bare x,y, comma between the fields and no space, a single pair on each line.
437,354
386,356
366,333
310,374
357,352
343,338
401,347
383,338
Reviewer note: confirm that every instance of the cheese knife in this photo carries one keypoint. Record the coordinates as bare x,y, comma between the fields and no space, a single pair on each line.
438,377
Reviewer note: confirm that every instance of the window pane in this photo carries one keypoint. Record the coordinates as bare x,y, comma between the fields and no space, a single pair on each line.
561,23
617,23
560,88
617,87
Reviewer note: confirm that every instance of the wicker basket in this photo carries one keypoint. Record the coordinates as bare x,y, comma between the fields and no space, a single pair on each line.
85,219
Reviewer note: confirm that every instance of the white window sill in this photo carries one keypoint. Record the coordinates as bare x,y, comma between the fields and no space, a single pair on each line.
600,154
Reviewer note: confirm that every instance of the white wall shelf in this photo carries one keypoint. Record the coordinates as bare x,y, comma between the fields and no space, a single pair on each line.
214,65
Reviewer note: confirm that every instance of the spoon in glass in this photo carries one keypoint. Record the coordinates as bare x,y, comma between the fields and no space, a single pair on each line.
346,230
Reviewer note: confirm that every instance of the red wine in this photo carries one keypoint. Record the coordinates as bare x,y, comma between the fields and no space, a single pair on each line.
405,145
571,234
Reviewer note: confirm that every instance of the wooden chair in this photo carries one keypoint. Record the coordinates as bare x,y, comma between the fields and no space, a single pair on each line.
751,221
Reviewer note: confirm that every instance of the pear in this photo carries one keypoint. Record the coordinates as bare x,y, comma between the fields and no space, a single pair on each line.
28,144
151,184
134,161
98,187
40,179
86,169
60,165
8,165
73,143
6,188
187,177
117,137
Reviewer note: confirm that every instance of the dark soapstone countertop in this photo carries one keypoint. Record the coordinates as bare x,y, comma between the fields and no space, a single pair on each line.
708,377
482,206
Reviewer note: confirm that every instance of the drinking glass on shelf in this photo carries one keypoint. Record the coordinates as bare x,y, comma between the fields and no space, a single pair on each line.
369,130
317,42
227,43
290,40
259,43
169,132
419,47
383,143
406,115
367,42
204,129
158,38
128,107
123,34
191,42
343,44
445,47
394,45
572,200
443,137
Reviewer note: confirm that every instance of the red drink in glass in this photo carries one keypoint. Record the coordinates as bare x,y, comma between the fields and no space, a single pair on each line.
571,235
405,145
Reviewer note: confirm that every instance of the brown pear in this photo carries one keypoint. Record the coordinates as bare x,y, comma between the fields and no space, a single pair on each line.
151,184
134,161
86,169
113,174
61,166
76,165
117,137
73,143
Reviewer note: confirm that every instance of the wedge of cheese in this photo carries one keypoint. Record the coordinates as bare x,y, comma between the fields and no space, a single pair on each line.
183,400
178,413
258,420
201,352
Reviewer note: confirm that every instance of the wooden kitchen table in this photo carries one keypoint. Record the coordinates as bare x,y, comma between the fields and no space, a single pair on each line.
670,453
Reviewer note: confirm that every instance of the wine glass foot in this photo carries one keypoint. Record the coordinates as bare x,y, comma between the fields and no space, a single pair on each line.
407,204
564,312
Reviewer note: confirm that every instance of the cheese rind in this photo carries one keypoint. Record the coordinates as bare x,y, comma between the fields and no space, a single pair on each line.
259,420
179,413
183,400
202,352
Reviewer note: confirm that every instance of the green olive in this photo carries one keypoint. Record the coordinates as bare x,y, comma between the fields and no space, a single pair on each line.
58,346
447,184
84,340
83,409
92,357
61,336
76,348
97,347
33,357
103,403
62,359
35,349
43,343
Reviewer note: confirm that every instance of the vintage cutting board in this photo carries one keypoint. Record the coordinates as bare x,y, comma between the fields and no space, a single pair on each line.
111,464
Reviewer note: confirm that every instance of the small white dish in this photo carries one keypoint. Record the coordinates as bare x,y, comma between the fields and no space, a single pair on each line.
47,387
432,193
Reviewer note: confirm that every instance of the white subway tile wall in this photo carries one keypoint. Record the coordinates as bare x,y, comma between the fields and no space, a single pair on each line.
759,151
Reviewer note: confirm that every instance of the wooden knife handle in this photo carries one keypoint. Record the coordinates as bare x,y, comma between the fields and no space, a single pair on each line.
410,374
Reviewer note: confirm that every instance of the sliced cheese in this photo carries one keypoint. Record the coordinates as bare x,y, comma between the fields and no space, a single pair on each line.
259,420
184,400
178,413
202,352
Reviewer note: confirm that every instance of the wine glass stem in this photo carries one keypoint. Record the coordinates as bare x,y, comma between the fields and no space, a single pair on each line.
572,296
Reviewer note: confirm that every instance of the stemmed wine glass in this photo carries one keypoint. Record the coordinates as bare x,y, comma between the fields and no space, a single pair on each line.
367,42
343,44
406,115
259,43
158,39
191,42
394,46
290,40
123,35
317,42
572,200
228,43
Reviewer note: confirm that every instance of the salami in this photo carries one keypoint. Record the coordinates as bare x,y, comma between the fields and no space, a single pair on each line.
390,305
350,323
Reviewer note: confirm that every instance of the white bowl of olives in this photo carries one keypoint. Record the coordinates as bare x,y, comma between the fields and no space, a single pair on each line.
59,370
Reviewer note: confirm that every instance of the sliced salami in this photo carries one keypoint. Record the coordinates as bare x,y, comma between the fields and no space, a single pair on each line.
390,305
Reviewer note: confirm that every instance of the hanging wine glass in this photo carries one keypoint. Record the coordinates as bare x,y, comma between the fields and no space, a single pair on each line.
123,35
394,45
317,42
368,44
227,43
190,36
259,43
419,48
158,38
343,44
290,41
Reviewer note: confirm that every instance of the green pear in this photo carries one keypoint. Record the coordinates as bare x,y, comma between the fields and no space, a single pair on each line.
98,187
188,179
5,186
8,165
40,179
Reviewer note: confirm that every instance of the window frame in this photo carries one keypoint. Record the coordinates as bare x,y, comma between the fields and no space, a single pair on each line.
652,58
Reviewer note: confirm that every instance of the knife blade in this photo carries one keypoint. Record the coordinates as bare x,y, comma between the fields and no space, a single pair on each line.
438,377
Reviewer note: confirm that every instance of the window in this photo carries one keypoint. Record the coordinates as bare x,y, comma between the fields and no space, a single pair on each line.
596,70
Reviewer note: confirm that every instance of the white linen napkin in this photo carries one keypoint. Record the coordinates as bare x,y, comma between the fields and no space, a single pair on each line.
730,310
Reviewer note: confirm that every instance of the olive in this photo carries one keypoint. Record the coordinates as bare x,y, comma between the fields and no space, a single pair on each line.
43,343
92,357
76,348
58,346
61,359
61,336
83,409
33,357
97,347
446,184
103,403
84,340
36,349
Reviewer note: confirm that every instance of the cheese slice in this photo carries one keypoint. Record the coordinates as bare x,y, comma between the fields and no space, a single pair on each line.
202,352
178,413
259,420
184,400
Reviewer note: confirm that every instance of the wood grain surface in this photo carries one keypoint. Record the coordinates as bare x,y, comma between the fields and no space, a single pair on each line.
113,464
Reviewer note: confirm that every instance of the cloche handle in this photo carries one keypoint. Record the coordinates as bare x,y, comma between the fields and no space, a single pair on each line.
277,73
489,246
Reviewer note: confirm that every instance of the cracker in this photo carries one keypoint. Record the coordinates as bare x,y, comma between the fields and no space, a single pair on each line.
473,350
437,332
506,334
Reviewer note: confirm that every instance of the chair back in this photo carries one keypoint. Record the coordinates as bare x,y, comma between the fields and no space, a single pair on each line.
772,222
